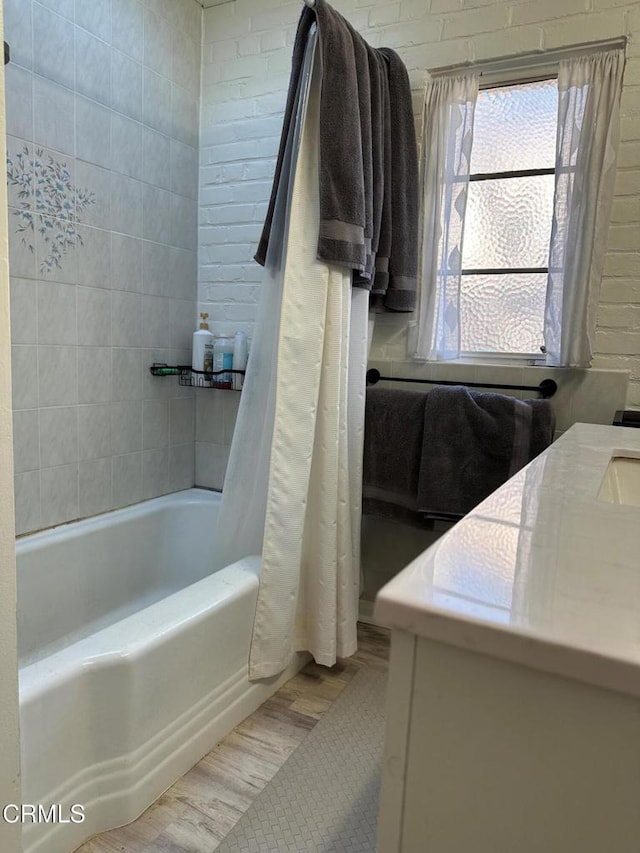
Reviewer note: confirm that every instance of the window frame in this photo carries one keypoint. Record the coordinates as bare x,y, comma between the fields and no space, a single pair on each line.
488,82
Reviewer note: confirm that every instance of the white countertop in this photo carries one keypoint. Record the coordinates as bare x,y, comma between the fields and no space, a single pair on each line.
541,573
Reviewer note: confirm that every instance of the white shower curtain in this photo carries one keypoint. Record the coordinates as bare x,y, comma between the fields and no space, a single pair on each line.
293,485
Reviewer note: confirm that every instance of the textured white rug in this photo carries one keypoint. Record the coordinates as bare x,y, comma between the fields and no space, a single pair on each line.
324,799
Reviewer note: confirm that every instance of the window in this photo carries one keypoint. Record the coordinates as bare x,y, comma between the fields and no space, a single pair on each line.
517,184
508,219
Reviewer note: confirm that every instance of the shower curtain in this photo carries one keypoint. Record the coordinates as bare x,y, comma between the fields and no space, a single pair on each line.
293,487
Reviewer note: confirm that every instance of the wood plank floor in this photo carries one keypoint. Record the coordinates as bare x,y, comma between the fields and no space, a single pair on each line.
195,814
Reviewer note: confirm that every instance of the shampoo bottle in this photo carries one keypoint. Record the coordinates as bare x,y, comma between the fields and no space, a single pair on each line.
202,354
222,361
239,357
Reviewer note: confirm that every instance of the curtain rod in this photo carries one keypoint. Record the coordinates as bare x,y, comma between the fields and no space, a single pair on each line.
528,61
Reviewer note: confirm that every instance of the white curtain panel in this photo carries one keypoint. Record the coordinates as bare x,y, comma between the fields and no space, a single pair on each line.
309,585
589,89
447,138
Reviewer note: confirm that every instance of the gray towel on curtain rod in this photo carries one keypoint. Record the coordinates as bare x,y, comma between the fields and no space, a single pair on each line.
393,439
364,104
473,442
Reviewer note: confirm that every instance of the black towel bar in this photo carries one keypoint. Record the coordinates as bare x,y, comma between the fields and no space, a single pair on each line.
547,388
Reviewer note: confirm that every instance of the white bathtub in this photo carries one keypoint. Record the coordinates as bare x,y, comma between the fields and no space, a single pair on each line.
133,660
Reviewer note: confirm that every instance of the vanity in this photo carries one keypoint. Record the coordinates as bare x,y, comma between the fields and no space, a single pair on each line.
514,685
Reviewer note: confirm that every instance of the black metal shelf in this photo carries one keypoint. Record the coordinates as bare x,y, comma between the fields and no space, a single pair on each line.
189,377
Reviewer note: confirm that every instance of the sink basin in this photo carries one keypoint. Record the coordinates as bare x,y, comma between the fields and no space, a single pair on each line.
621,482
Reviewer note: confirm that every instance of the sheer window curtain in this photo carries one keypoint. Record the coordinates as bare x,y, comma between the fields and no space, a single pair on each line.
589,89
447,137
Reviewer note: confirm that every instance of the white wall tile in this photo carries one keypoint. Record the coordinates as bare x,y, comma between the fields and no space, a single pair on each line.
155,424
156,109
18,30
126,268
156,153
126,85
127,27
26,440
94,316
126,205
126,146
58,436
184,169
56,313
19,101
96,180
127,375
157,43
156,269
24,316
183,220
59,494
94,431
95,487
93,67
126,319
24,376
182,425
57,376
126,426
53,47
182,466
94,374
62,7
211,464
127,479
156,214
155,473
53,116
94,257
95,16
27,502
156,321
93,132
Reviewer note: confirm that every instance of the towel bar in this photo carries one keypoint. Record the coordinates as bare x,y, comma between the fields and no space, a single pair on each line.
547,388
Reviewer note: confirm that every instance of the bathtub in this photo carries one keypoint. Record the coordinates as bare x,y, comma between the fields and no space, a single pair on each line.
133,660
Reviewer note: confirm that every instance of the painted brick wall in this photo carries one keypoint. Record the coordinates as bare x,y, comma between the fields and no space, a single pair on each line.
246,58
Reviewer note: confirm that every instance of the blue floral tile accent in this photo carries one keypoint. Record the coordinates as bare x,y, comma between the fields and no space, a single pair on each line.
49,203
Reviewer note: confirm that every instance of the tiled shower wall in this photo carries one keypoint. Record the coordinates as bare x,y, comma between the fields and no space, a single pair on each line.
102,122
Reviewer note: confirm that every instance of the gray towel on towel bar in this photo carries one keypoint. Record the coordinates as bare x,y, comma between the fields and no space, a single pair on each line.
394,430
473,442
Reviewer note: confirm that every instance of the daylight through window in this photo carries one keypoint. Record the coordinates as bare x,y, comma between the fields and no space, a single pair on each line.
508,219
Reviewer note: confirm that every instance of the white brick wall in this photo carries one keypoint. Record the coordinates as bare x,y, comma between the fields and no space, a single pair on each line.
247,51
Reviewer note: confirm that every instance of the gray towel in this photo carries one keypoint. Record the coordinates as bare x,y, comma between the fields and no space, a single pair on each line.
403,259
365,103
342,184
475,441
393,442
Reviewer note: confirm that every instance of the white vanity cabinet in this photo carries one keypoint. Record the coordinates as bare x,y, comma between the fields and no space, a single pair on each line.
514,684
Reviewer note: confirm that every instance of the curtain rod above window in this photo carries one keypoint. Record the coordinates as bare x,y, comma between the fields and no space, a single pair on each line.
526,66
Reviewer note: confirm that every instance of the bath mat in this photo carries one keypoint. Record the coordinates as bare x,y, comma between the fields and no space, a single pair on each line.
324,799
